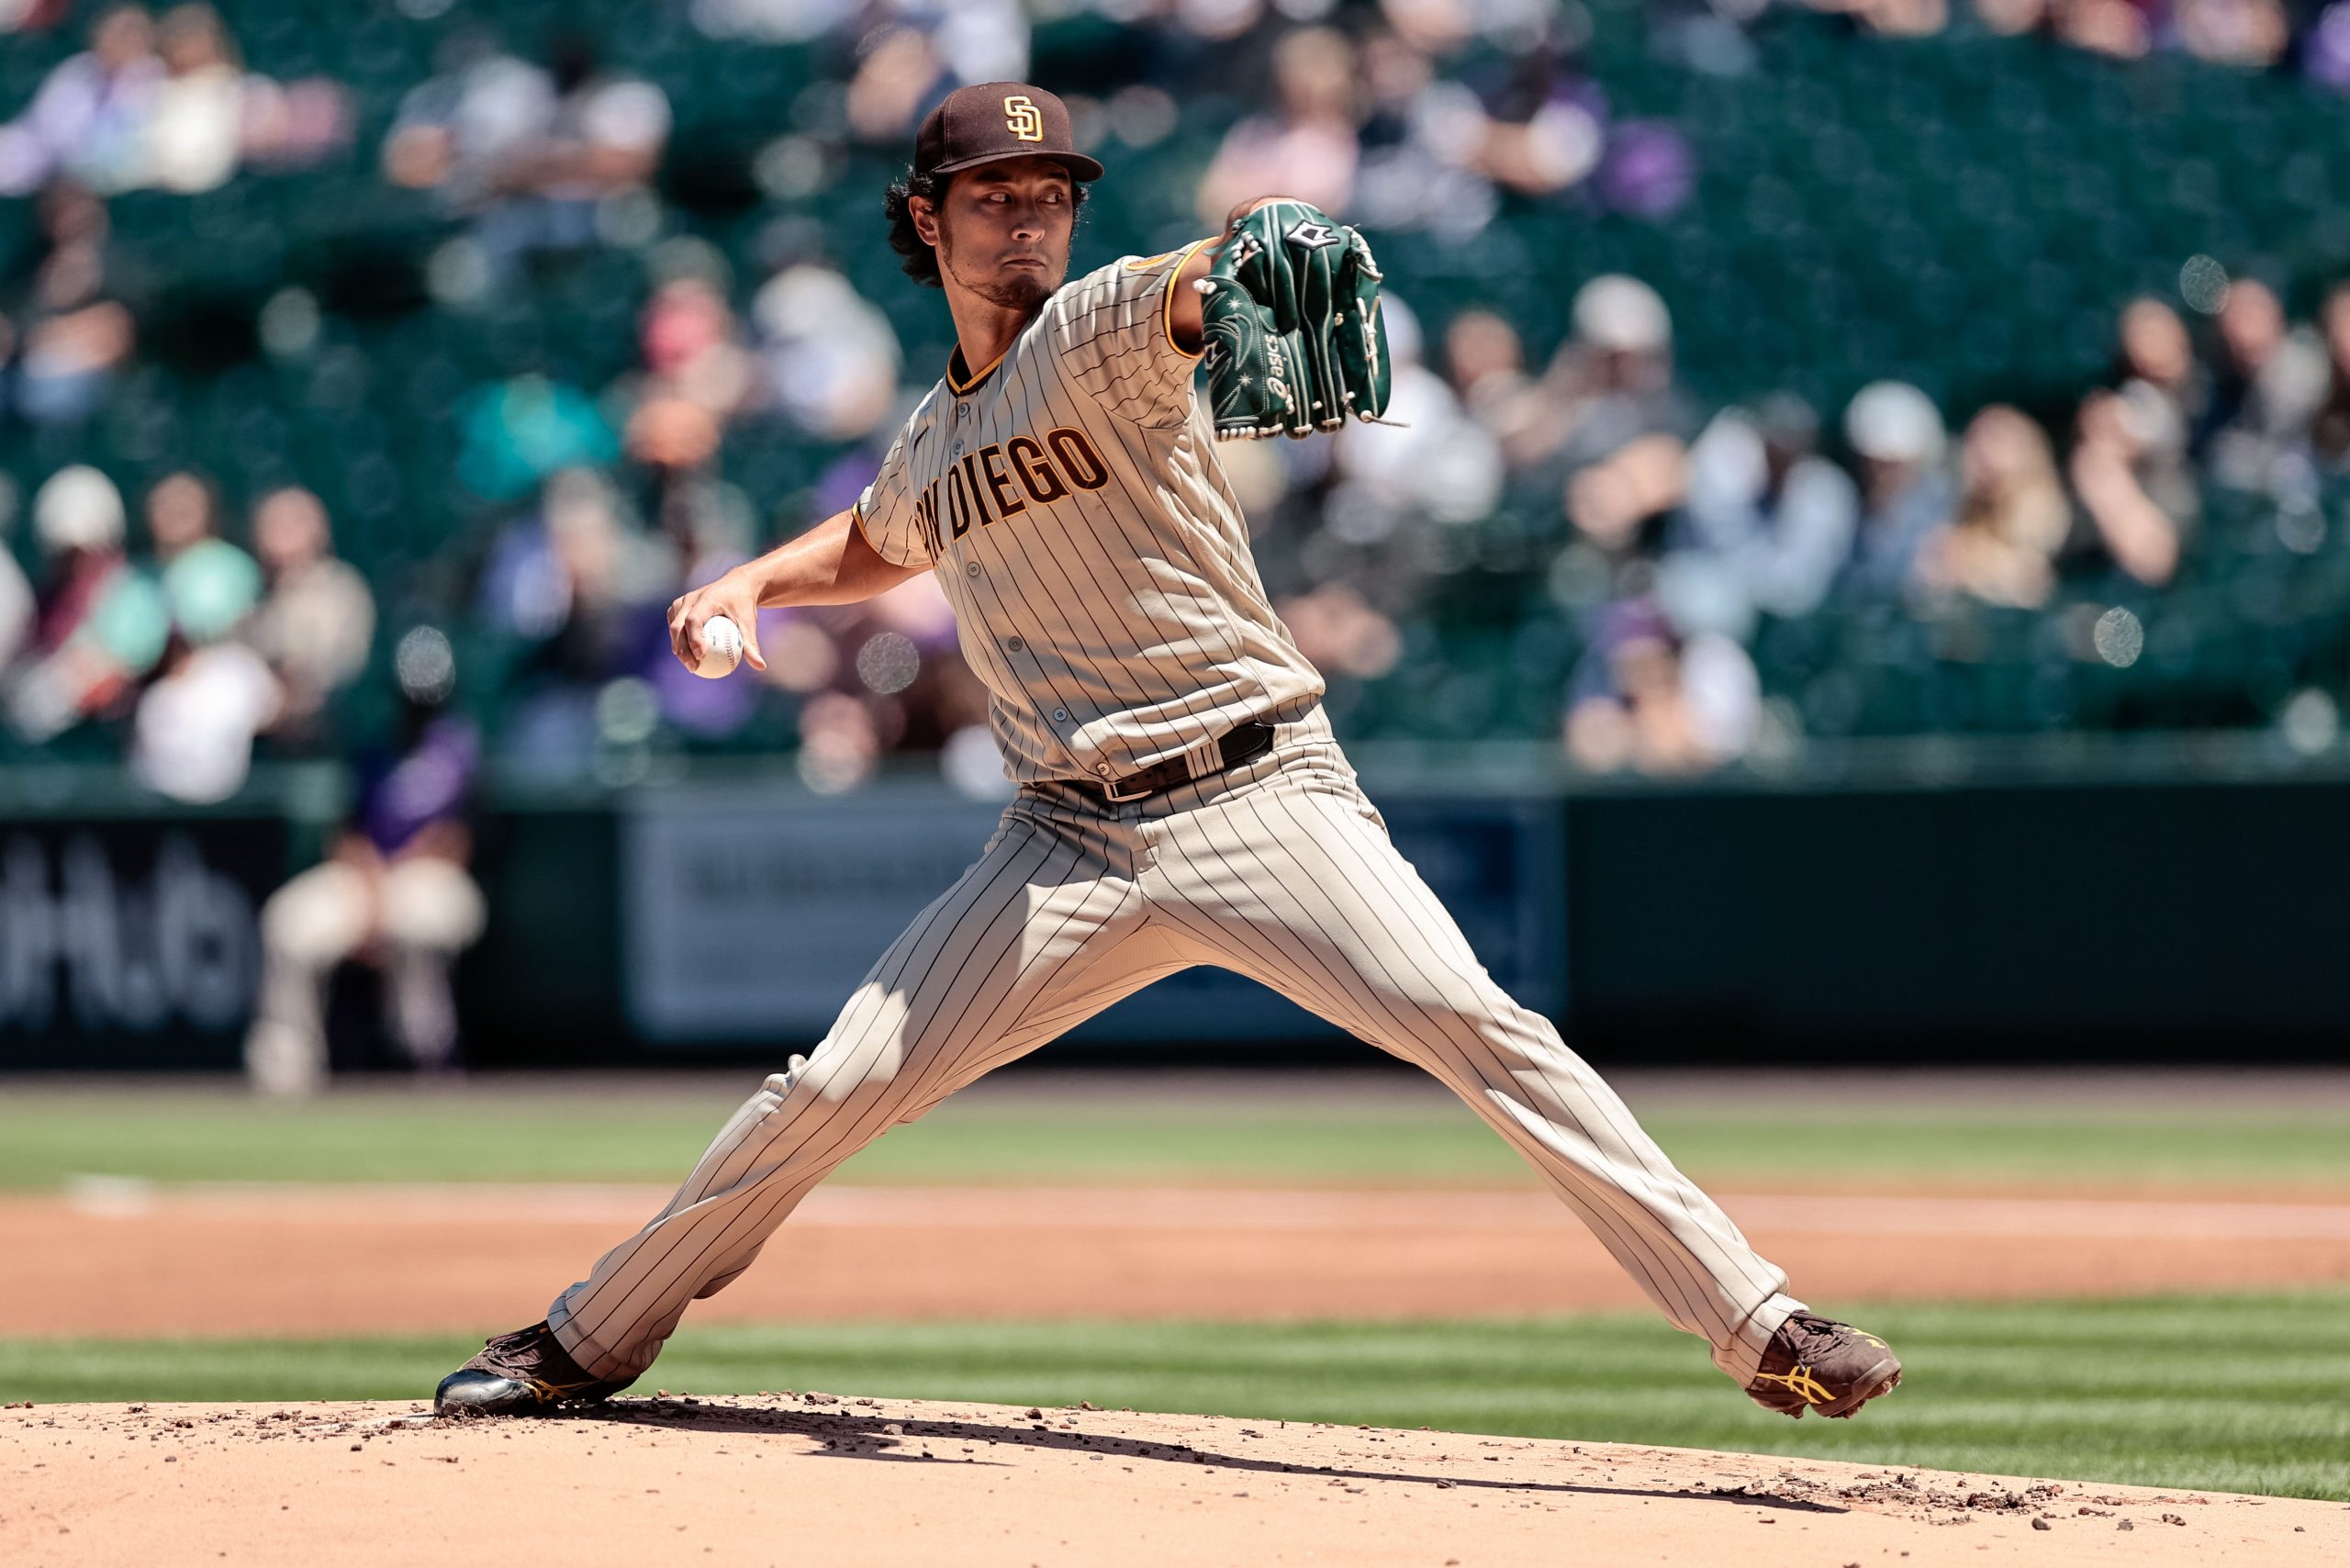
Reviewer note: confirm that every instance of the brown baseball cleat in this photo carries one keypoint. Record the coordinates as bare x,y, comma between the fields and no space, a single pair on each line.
1817,1363
522,1373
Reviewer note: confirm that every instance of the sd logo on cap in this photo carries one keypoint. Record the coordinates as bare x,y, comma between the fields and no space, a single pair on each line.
993,120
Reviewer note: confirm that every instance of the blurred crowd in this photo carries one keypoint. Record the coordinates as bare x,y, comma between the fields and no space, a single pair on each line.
2254,34
162,102
202,620
1689,527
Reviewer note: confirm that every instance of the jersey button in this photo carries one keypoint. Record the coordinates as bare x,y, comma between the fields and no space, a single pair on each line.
1013,645
972,570
959,448
1104,770
1061,714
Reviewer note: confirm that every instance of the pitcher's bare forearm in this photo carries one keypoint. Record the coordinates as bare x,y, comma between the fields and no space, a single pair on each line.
830,564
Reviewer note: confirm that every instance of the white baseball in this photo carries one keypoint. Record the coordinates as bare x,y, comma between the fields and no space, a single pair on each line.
722,643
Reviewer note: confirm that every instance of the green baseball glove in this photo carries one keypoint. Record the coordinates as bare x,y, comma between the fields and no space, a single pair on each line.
1294,343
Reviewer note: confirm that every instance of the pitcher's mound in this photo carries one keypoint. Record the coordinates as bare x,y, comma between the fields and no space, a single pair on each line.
817,1478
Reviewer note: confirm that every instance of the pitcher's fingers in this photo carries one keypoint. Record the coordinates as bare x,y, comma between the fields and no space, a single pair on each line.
750,626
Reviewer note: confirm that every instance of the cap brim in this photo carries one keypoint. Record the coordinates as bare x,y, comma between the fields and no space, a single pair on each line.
1078,165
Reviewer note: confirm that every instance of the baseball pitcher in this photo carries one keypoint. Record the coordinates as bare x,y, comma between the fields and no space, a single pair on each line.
1181,798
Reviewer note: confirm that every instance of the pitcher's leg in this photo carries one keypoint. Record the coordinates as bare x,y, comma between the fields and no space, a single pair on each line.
982,975
1298,887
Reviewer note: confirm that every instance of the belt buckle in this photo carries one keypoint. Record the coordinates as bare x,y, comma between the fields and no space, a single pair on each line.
1111,793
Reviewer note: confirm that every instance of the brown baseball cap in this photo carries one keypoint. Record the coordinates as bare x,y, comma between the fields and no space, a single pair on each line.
990,122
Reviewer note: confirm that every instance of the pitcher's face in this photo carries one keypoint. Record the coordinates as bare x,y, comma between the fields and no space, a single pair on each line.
1002,231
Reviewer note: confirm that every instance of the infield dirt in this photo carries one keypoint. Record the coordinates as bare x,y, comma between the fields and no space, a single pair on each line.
228,1260
815,1477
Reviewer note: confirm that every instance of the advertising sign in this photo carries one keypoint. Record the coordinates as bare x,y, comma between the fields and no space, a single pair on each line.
131,943
752,915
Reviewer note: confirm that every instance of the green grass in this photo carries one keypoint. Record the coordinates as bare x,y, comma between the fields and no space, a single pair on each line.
2232,1393
1280,1135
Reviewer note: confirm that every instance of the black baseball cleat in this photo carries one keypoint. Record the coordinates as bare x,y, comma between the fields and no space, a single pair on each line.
1819,1364
522,1373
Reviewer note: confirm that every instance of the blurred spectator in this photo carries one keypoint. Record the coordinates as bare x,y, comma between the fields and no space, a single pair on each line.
2330,432
696,376
32,16
1421,140
67,328
164,105
197,126
531,154
1646,700
2123,29
1610,384
830,356
1433,461
2325,51
2232,32
2012,515
1613,502
1336,628
519,432
910,53
1548,126
394,895
100,622
1768,524
582,590
1306,146
1896,434
209,584
319,619
16,600
898,77
2125,483
1485,362
2271,384
89,120
774,21
192,736
2169,394
972,40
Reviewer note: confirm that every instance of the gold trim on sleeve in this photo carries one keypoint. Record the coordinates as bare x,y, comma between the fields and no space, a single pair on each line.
1167,309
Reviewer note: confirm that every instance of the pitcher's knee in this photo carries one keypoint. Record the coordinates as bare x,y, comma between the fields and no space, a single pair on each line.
865,1070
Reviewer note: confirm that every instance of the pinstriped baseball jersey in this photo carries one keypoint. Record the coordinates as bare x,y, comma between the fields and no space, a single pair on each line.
1069,500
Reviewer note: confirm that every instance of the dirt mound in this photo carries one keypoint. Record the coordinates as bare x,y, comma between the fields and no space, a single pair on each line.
820,1478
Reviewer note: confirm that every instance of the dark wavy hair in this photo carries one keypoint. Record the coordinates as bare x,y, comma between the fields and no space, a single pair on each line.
920,261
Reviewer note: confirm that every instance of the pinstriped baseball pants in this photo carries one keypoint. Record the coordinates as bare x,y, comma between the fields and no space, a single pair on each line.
1279,869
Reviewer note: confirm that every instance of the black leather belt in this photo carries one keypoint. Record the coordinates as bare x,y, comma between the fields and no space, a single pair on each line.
1236,746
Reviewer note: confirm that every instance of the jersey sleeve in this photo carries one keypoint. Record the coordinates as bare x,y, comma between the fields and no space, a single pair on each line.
1109,328
885,512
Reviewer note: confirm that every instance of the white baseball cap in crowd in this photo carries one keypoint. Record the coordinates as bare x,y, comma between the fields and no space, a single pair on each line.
1622,315
1892,421
78,509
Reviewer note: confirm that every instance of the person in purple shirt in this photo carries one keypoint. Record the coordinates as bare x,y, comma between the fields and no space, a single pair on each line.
394,894
89,120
